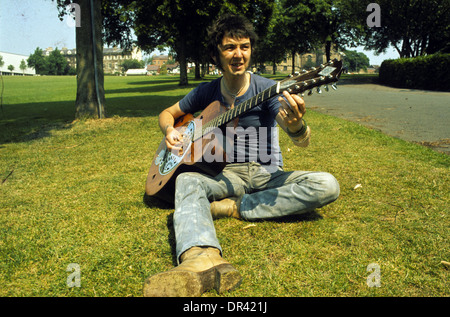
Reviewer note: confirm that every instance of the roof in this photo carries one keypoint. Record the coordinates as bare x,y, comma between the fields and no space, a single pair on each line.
152,67
165,57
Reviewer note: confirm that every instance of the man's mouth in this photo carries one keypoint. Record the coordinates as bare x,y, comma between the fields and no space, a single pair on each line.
237,65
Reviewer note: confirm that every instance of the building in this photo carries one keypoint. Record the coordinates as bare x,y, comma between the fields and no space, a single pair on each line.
112,57
302,61
153,69
160,60
69,54
173,68
15,60
136,72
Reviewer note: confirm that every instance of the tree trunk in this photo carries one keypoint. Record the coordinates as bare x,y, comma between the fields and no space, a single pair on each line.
328,50
293,62
90,102
197,70
181,53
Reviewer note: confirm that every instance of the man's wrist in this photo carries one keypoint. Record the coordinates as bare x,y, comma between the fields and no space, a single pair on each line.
299,132
167,128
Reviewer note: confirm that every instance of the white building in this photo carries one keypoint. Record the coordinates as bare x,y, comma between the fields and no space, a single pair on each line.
136,72
15,60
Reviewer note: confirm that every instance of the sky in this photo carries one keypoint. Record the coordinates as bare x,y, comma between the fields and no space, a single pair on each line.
28,24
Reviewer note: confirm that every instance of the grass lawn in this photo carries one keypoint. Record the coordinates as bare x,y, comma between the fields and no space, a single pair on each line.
72,192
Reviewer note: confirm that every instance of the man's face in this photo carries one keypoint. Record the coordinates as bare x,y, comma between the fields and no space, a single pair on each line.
235,55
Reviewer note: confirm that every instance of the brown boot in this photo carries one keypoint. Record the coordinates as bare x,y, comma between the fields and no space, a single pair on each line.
201,269
228,207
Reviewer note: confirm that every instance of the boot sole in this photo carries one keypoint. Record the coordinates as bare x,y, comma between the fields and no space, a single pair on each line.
178,283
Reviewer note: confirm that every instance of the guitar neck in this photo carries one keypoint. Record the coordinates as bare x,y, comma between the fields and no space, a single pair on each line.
323,75
240,109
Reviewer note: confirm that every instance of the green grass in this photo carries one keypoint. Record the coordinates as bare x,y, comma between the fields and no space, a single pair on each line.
72,192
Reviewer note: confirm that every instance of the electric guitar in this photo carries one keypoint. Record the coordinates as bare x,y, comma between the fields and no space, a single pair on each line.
197,132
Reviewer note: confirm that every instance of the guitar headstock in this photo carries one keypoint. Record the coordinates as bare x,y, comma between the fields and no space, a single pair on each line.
316,77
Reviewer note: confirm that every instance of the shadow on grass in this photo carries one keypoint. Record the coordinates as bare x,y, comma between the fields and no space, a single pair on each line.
148,89
33,121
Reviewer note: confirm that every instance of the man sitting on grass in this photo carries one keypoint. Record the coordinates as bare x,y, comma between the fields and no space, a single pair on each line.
250,187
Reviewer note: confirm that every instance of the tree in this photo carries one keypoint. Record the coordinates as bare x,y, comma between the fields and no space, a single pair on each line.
296,26
412,27
337,25
90,99
355,61
270,47
23,66
131,64
57,64
38,61
179,24
182,25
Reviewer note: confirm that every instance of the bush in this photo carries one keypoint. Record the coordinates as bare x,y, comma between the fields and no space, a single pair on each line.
424,72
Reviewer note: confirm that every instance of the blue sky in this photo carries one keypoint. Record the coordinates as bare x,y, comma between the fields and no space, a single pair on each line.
27,24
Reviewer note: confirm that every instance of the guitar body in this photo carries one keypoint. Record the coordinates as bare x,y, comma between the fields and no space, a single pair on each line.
166,166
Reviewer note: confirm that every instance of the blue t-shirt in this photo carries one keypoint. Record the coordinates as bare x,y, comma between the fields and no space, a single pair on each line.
256,136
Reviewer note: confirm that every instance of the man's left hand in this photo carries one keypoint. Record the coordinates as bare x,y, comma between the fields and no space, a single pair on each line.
292,111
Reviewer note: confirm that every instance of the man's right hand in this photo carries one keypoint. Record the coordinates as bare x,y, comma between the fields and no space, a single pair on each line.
174,140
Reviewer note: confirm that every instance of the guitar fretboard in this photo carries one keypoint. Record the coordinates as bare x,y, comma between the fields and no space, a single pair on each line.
238,110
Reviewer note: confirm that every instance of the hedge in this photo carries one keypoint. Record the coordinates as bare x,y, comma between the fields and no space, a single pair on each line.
431,72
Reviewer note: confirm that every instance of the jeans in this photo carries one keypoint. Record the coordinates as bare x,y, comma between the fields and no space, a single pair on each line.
265,195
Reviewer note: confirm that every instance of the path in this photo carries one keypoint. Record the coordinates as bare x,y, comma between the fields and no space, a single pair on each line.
413,115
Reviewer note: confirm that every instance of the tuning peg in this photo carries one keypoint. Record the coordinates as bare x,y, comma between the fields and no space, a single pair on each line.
319,91
334,86
326,88
310,92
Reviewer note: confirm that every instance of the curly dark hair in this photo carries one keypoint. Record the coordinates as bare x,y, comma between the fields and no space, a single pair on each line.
236,26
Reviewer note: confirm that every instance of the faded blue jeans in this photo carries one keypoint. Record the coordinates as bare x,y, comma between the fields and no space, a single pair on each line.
266,193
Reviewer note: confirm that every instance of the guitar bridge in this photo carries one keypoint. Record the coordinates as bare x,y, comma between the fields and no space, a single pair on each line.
167,160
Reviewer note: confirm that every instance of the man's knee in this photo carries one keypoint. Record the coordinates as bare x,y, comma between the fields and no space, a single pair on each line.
187,178
331,188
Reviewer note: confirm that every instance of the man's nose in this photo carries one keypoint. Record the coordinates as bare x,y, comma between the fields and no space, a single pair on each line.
238,52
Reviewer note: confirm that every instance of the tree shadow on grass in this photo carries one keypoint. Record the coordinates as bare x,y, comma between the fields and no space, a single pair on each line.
148,89
34,121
